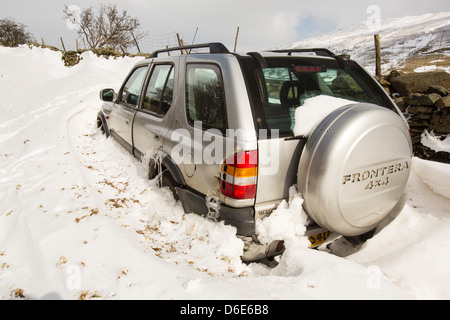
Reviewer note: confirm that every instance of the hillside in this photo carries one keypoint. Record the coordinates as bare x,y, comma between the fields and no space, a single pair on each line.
80,220
411,43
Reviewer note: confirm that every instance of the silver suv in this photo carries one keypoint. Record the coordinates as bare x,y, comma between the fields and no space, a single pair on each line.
223,131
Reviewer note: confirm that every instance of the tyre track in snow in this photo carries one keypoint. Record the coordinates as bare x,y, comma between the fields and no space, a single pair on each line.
121,191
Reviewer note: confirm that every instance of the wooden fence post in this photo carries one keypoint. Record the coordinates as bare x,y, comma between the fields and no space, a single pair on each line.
136,43
179,43
377,55
183,44
62,42
236,40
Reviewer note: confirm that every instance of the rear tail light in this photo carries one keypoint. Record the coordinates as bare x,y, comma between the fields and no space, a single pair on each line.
280,246
239,174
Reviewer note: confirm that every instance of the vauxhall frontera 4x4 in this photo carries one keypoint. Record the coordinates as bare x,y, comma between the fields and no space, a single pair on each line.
230,133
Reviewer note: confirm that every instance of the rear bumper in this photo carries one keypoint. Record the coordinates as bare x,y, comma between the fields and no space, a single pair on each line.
241,218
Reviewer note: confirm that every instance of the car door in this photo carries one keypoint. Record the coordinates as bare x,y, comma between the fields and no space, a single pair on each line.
153,118
206,116
125,107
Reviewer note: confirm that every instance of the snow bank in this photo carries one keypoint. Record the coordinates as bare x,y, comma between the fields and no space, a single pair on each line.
435,175
313,111
414,247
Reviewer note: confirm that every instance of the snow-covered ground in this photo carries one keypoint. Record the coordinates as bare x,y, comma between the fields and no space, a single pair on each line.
80,220
401,38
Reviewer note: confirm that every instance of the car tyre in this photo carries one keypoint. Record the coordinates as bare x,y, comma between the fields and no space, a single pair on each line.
168,182
102,126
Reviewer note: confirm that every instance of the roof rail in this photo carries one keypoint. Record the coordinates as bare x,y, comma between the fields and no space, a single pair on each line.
214,47
318,51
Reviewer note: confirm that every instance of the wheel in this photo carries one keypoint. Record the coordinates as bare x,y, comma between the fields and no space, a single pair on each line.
168,182
102,126
152,169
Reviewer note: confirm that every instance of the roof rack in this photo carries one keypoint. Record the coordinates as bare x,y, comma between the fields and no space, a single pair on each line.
318,51
214,47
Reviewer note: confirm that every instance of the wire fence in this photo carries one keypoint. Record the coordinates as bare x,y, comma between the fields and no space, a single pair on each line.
152,43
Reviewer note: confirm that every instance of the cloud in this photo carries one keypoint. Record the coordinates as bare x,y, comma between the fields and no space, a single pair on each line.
262,23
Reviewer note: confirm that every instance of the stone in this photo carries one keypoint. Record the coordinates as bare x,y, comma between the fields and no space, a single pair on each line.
420,99
408,84
440,122
443,102
420,109
440,156
394,74
416,139
440,90
384,82
416,130
401,104
421,116
71,58
418,123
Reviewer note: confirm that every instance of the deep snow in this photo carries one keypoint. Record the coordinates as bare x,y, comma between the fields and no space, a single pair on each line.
80,220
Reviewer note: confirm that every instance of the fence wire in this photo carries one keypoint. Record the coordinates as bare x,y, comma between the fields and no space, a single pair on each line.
155,42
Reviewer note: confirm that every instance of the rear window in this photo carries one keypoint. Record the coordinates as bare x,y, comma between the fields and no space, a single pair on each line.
205,96
278,90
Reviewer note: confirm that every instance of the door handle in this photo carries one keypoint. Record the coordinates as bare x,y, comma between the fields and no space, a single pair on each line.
127,121
156,137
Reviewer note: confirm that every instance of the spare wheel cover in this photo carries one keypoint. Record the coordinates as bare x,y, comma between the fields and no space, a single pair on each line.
354,168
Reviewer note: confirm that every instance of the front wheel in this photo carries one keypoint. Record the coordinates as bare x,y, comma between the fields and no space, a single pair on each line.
101,124
168,182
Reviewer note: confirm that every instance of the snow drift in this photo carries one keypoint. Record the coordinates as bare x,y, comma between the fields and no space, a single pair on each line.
80,220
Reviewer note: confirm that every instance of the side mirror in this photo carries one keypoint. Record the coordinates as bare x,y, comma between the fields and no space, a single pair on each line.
108,95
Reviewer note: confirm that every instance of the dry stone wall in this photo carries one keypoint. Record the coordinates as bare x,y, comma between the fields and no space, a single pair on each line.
425,101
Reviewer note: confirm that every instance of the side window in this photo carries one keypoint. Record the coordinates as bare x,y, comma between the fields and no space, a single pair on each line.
205,96
132,89
159,92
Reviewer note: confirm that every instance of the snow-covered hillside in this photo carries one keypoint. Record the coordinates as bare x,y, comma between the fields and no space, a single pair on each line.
421,37
80,220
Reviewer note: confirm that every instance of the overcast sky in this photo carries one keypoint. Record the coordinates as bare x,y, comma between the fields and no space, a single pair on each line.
262,23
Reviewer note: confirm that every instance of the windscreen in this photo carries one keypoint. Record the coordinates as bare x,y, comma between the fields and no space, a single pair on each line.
287,84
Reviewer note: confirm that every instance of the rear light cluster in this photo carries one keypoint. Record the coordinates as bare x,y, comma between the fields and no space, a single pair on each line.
239,174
